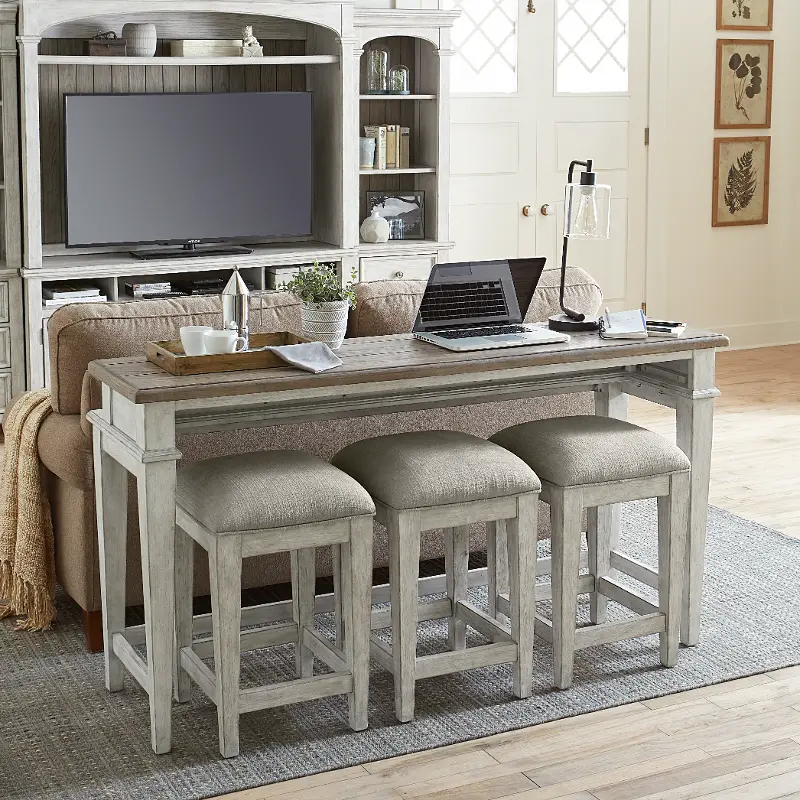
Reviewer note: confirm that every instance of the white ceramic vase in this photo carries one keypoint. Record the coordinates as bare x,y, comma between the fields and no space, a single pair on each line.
375,228
325,322
141,39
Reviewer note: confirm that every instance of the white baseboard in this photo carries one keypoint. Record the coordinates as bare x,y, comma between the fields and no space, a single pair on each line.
761,334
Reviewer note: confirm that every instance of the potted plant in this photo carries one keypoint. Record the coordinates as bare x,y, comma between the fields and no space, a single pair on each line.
325,303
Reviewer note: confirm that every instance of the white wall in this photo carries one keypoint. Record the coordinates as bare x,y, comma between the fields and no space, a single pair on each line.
744,282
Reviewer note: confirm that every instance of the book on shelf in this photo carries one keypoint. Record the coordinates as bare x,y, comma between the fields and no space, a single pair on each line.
138,289
378,132
67,291
200,48
404,161
101,298
392,146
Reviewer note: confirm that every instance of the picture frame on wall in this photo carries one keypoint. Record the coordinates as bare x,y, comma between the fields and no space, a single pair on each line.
745,15
404,211
741,181
744,83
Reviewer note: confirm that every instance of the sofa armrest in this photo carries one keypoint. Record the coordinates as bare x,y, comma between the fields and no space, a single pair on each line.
91,399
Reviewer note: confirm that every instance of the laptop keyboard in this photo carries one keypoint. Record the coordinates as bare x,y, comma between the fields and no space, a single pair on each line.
493,331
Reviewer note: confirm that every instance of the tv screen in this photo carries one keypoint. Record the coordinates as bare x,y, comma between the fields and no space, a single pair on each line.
176,168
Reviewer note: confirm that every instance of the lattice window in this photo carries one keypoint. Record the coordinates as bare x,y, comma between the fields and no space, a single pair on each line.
485,44
592,46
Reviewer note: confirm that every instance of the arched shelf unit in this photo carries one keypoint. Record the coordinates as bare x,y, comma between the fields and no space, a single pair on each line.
309,46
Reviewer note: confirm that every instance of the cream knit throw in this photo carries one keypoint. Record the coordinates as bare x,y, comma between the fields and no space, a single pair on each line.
27,556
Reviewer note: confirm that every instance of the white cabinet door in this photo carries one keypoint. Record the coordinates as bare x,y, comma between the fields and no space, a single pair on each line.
532,92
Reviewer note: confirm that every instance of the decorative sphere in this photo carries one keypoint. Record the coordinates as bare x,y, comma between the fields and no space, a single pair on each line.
375,229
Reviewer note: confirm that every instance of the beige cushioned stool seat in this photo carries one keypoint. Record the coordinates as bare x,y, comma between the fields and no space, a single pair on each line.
575,451
270,489
435,468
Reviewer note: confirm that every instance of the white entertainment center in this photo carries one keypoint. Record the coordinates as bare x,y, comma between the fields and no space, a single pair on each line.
314,46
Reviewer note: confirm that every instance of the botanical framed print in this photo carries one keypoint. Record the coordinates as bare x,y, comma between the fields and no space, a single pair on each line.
745,15
744,83
741,181
404,211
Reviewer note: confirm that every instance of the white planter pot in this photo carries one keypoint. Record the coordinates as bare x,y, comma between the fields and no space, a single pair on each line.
141,39
325,322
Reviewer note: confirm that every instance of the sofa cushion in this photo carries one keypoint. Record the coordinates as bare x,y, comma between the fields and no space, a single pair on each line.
274,489
436,468
584,450
389,307
83,332
66,451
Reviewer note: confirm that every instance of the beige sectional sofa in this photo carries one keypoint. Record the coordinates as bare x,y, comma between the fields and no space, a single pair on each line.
82,333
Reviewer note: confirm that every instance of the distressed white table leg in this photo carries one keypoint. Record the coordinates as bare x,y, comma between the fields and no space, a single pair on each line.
356,586
565,513
303,580
457,567
111,491
598,537
338,614
522,540
404,547
610,401
695,432
496,563
184,593
673,524
225,572
156,490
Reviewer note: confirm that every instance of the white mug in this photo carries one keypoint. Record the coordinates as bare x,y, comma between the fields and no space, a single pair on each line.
224,342
193,339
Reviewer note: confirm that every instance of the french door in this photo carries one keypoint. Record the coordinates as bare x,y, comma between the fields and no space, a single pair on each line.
536,85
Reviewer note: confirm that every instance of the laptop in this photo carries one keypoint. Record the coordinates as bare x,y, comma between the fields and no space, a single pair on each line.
481,305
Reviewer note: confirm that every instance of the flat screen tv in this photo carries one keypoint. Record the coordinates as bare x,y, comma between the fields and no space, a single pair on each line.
187,168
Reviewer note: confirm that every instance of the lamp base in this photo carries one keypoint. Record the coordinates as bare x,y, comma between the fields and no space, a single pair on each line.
564,324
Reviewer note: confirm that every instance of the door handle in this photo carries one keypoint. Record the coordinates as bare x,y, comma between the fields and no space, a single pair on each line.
531,7
547,210
526,211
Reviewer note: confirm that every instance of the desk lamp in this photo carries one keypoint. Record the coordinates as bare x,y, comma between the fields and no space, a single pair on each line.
587,215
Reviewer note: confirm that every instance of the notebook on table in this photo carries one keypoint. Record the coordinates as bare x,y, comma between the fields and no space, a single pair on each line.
623,325
481,305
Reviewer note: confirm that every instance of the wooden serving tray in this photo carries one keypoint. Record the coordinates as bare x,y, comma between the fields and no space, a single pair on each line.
170,356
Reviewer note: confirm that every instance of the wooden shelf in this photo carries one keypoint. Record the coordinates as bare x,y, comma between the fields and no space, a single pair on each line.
403,247
398,97
178,61
409,171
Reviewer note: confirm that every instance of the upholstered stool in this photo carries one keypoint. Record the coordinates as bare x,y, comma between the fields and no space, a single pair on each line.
591,462
443,479
272,502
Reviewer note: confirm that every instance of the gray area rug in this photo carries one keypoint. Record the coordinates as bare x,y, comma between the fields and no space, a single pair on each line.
63,736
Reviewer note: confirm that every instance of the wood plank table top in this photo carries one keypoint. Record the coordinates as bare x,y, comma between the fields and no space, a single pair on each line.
382,358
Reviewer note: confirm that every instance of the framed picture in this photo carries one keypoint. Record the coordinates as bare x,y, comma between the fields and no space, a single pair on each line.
741,181
744,83
745,15
404,211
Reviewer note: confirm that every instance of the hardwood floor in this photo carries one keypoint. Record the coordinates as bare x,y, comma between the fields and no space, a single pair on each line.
734,741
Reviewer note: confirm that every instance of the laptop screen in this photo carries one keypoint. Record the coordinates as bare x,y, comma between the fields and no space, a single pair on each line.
472,293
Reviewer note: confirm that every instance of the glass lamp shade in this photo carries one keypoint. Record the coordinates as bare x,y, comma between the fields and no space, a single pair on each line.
377,71
587,211
399,80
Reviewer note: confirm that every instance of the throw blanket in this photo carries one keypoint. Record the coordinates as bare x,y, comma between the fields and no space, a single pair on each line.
27,554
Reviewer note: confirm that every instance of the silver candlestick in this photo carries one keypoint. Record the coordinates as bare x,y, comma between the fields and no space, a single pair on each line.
236,307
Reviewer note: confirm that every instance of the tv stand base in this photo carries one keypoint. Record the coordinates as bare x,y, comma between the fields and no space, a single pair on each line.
190,252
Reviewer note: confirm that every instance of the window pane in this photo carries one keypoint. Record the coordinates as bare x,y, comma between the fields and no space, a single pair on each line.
592,46
485,44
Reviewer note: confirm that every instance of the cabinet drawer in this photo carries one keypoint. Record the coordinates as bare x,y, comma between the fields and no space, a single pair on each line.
4,313
417,268
5,390
5,348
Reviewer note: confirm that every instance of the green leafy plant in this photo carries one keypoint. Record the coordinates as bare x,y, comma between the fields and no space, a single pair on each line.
321,284
748,79
742,183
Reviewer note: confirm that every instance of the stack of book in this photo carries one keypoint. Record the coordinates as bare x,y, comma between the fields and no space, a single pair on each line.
205,286
153,287
392,149
65,293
